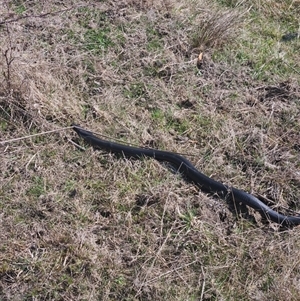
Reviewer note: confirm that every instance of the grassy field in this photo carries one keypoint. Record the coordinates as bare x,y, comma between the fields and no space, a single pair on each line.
80,224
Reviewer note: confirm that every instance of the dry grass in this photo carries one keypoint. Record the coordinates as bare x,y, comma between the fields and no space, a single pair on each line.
215,27
86,225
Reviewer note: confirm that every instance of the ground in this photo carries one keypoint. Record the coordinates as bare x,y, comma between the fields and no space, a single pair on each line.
81,224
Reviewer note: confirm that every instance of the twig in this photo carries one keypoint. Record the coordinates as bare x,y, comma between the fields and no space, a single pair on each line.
34,135
77,145
40,15
203,284
169,272
8,59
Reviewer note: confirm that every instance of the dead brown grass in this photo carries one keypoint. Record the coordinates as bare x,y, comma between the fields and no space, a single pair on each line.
215,27
86,225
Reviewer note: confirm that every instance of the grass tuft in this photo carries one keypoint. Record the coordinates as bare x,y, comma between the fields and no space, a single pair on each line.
216,28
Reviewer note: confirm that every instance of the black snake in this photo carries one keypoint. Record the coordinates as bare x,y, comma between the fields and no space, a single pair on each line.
184,166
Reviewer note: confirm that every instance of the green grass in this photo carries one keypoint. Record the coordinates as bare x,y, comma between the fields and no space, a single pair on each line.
261,46
154,41
96,40
37,188
135,90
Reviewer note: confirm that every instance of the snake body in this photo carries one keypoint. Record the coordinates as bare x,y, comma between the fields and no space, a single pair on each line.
185,167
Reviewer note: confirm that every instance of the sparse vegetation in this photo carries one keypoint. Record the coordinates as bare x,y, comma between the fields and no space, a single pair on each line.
87,225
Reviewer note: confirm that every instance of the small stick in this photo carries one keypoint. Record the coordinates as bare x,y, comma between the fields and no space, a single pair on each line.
34,135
